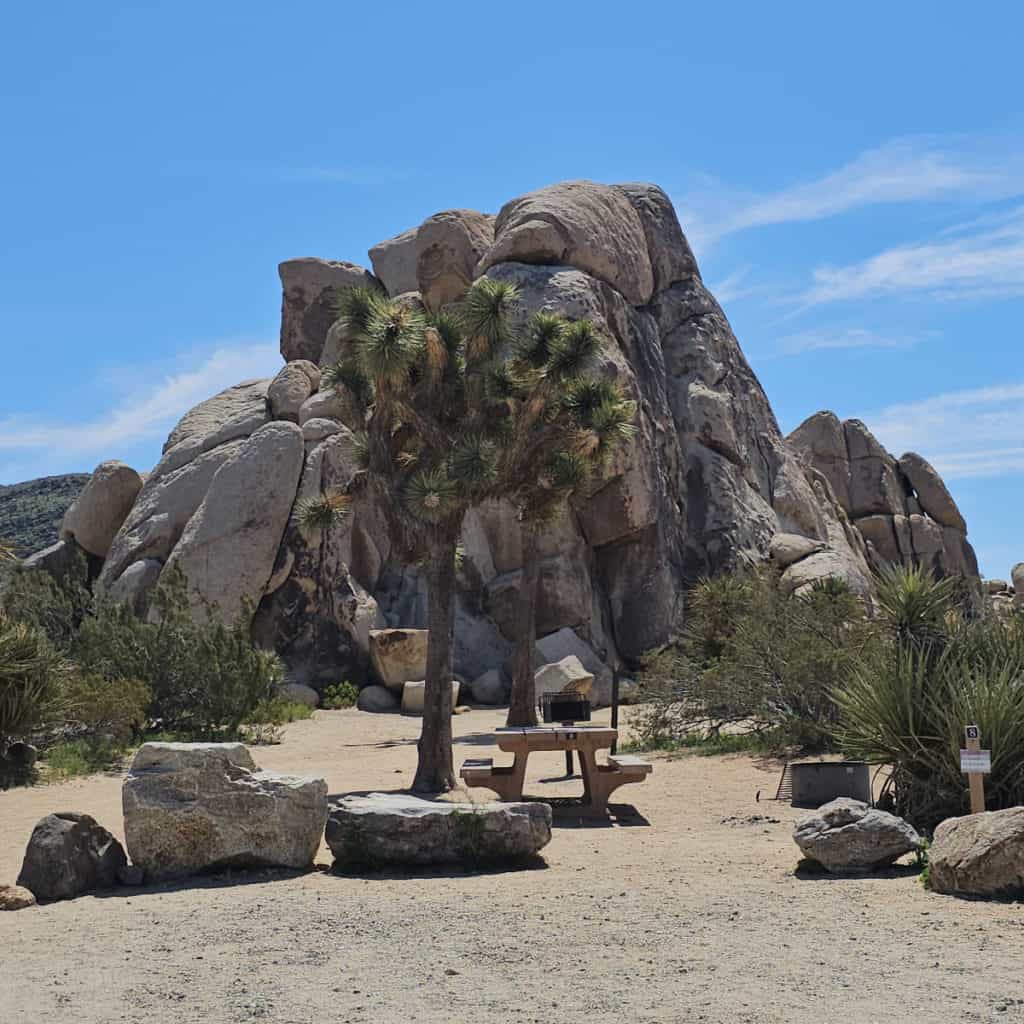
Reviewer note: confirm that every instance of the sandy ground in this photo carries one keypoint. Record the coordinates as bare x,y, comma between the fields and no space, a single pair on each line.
685,907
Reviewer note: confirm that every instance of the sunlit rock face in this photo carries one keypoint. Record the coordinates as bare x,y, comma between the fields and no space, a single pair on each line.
706,484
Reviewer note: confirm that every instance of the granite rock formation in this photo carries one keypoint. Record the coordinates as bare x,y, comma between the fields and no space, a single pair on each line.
708,482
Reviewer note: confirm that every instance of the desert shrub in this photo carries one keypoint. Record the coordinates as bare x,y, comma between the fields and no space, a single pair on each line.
263,724
339,695
31,671
757,659
74,758
56,606
203,678
107,710
907,708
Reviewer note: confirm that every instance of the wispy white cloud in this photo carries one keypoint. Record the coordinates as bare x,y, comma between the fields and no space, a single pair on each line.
146,416
830,339
971,433
965,263
905,170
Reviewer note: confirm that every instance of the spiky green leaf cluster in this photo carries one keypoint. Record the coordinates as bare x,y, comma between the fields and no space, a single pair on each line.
316,515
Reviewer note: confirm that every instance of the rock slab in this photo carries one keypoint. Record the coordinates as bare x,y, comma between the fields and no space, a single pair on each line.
979,854
848,837
190,807
69,854
98,512
398,656
395,828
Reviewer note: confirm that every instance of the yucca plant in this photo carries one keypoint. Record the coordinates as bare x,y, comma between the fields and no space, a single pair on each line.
456,407
907,707
30,671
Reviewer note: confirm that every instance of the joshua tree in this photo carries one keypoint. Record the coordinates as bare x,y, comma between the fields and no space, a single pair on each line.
456,407
565,432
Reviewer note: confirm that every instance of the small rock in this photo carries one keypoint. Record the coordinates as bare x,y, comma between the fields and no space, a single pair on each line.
377,699
848,837
70,854
15,897
979,854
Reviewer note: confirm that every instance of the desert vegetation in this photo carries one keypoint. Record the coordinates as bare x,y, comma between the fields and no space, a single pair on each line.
83,679
756,666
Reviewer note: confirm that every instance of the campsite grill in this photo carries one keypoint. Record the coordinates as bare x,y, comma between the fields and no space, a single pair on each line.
564,708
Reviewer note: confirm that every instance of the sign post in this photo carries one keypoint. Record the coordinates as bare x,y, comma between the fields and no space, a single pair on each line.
975,763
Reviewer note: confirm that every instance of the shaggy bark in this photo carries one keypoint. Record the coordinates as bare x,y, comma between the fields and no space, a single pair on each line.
435,772
522,706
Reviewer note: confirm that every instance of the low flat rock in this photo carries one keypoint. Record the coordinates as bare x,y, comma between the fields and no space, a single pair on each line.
395,828
979,854
414,693
190,807
848,837
70,854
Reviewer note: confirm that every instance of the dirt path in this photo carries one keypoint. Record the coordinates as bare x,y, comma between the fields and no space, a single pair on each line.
689,911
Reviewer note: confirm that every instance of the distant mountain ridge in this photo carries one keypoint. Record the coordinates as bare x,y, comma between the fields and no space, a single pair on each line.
31,512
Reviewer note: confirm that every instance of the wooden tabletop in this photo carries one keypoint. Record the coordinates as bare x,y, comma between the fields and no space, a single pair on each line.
556,737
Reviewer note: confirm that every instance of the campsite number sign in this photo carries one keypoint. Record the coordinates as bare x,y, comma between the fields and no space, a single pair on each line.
975,763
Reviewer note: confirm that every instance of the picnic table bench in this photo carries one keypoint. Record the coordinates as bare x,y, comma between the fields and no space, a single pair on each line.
599,780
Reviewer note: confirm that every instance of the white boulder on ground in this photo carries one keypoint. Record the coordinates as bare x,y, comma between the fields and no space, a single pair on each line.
190,807
414,692
395,828
98,512
848,837
398,655
565,676
979,854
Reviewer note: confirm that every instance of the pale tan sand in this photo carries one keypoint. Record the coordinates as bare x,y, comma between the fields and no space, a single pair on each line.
695,915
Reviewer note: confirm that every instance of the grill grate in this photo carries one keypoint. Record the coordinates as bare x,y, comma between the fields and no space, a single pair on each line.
785,790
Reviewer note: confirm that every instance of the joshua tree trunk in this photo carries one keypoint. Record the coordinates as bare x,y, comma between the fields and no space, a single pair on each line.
435,772
523,705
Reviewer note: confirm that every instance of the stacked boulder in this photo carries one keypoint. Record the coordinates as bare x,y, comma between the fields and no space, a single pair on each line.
706,484
901,508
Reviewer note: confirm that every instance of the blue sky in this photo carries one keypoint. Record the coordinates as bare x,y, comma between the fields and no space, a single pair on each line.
851,177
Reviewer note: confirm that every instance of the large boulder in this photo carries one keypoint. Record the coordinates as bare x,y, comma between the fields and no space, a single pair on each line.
394,262
393,828
931,491
310,289
448,247
70,854
292,386
1017,577
567,643
398,655
787,548
95,517
979,854
565,676
581,223
847,836
228,550
191,807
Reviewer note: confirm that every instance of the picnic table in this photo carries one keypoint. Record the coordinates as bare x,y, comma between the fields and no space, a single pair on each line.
599,780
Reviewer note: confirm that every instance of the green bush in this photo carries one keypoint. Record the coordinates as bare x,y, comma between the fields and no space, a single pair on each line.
339,695
757,659
111,710
31,671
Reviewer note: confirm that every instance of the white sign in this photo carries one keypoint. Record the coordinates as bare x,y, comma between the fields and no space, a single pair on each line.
979,761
